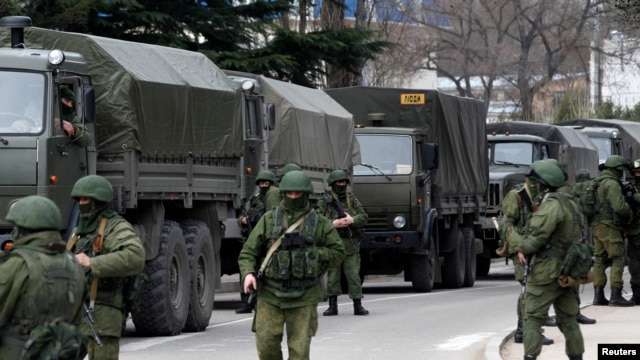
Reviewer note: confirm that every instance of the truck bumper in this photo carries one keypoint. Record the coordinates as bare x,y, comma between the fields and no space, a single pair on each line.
391,240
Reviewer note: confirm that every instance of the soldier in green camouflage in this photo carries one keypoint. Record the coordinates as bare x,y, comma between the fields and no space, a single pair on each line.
556,222
71,124
265,199
349,225
121,254
304,245
28,296
633,232
612,213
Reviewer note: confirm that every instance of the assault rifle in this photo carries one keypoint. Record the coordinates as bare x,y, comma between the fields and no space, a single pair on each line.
341,215
88,316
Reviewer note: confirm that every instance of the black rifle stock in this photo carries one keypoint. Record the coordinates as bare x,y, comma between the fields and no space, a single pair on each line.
89,318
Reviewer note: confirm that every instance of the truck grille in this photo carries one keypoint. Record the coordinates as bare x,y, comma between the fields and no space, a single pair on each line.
377,222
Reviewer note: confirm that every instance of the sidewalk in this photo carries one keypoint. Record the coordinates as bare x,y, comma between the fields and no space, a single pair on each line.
614,325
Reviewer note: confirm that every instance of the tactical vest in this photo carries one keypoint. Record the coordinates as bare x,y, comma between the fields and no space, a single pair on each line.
54,289
332,213
604,211
560,240
296,263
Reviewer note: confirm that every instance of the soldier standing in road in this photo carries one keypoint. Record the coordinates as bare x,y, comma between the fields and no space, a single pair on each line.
349,227
633,233
110,250
265,199
293,246
30,297
556,222
612,213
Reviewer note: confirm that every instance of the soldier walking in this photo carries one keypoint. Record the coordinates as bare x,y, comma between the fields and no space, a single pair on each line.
612,213
293,246
633,233
29,296
110,250
556,222
349,218
267,197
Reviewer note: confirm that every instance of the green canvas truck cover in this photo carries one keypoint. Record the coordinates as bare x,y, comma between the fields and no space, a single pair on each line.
629,131
579,152
456,124
157,100
312,129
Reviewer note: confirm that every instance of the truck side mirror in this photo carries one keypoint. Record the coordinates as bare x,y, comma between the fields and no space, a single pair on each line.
89,104
429,156
270,121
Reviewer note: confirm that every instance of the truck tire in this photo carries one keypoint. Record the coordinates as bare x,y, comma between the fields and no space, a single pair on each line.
165,303
202,270
422,274
453,267
470,257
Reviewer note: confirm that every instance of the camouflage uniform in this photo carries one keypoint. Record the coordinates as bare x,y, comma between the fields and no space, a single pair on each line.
121,255
633,236
82,138
290,302
555,223
351,238
611,211
29,297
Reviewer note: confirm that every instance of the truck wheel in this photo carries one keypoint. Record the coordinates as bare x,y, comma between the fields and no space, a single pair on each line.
453,267
202,269
165,303
470,257
422,274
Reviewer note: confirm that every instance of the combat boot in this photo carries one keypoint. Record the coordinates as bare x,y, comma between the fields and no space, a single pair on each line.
529,357
575,357
617,299
598,296
358,309
584,320
333,306
636,295
519,335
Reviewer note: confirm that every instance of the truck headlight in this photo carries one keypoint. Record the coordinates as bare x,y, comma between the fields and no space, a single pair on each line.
399,221
56,57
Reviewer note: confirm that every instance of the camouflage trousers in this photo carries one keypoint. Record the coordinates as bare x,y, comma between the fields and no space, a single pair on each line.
538,299
351,268
633,252
608,246
301,324
109,350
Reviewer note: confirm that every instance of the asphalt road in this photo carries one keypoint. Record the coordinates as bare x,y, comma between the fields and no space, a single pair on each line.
443,324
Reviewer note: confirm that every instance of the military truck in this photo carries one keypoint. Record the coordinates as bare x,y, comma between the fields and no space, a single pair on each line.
310,129
179,140
423,181
613,137
513,146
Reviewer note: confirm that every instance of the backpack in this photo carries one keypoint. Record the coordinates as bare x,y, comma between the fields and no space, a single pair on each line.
56,340
578,260
585,193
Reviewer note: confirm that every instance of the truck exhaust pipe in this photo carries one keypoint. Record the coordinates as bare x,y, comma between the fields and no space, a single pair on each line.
17,25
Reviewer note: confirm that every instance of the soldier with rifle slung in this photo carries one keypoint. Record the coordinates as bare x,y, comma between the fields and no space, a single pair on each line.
349,218
264,200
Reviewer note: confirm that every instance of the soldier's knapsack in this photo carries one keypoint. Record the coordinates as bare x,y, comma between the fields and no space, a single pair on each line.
585,193
56,340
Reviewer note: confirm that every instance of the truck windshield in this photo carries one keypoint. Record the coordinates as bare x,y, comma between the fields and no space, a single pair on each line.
389,154
21,102
604,148
515,153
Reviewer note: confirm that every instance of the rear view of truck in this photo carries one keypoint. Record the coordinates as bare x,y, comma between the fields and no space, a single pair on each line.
422,179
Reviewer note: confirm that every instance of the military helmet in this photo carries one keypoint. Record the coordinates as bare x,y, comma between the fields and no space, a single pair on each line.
265,175
337,175
547,173
556,163
93,186
35,213
296,180
616,162
290,167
